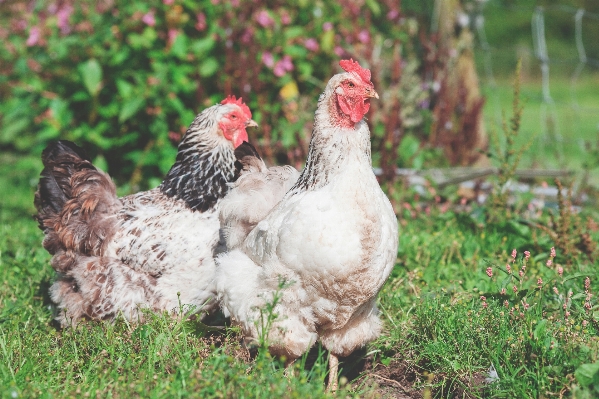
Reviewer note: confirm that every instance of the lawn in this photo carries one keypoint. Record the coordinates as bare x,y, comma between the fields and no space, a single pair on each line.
440,336
561,133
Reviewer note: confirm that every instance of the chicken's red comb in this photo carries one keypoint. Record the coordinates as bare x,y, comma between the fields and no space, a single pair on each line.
238,101
353,66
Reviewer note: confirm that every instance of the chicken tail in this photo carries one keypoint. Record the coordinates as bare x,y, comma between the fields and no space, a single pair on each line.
247,160
72,201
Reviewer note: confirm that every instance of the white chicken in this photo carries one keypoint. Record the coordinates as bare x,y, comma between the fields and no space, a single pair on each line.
333,238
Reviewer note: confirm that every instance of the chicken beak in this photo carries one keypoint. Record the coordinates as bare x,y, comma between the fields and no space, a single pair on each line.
251,123
372,93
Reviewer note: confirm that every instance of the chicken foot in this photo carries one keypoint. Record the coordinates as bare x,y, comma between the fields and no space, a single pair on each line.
333,382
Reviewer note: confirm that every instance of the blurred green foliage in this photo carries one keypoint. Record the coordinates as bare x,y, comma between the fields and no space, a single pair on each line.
121,78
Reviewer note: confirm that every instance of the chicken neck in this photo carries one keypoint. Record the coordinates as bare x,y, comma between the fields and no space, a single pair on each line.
200,174
334,146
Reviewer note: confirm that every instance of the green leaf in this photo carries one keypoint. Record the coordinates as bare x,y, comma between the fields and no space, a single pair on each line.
124,88
91,72
540,329
374,7
180,46
208,67
327,40
100,163
130,107
294,31
587,374
296,51
203,46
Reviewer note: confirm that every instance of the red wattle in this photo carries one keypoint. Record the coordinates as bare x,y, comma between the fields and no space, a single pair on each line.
239,137
355,110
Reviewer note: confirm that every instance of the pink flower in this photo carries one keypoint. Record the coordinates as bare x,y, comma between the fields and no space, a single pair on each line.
63,15
392,14
247,35
515,289
339,51
283,66
149,19
267,59
485,305
567,314
285,18
200,21
168,2
587,284
482,298
279,70
539,282
327,26
508,267
287,64
506,304
549,262
521,273
553,252
34,36
172,36
311,44
489,271
560,270
514,253
502,292
364,36
264,19
555,291
584,323
526,255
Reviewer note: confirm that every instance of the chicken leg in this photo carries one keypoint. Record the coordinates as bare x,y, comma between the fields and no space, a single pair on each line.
333,368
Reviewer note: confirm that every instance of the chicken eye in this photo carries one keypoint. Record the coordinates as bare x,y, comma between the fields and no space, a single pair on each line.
350,84
233,116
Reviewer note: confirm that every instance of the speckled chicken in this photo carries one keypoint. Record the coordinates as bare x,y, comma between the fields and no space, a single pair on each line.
116,256
333,238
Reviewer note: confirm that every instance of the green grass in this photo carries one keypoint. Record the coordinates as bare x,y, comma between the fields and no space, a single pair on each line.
576,121
439,339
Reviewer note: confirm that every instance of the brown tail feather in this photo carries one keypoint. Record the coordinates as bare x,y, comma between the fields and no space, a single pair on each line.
73,201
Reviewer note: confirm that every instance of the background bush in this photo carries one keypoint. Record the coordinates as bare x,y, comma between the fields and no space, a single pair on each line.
125,78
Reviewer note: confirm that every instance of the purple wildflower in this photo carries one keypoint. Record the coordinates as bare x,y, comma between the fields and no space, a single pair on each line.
63,15
264,19
283,66
364,36
34,36
267,59
285,18
311,44
149,19
200,21
392,14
